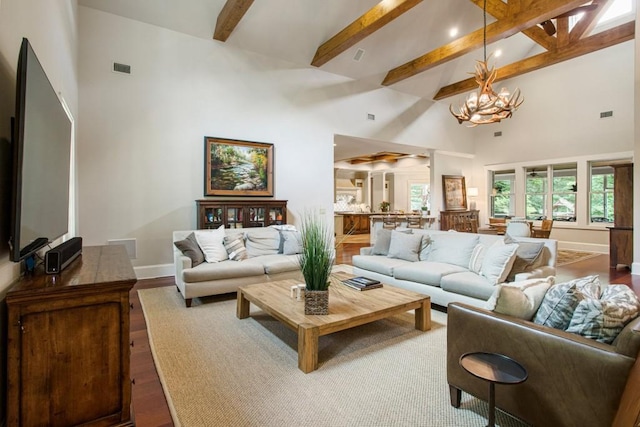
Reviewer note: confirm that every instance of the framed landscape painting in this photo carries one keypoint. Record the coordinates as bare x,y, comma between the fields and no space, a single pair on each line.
237,168
455,193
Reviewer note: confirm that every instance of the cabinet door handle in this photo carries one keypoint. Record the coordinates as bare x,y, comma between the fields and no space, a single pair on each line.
131,343
131,305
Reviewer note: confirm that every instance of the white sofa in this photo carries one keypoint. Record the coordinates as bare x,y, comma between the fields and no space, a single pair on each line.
443,267
266,262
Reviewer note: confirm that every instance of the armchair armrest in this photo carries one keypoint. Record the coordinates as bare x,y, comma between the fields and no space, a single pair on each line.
181,263
573,381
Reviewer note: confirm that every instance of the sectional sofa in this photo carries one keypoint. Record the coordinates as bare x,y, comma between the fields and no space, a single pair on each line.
454,267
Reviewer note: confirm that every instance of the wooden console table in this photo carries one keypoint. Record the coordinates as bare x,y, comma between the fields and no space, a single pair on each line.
458,220
68,343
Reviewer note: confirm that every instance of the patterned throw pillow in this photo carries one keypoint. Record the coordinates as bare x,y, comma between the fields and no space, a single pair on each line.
603,319
189,247
234,244
561,300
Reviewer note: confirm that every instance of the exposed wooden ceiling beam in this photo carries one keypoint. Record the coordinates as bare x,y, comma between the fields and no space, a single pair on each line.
499,10
231,13
374,19
589,20
612,37
535,13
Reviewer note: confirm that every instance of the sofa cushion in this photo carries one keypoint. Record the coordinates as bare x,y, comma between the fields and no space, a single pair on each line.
561,300
469,284
262,241
212,244
404,246
519,299
221,270
452,248
527,256
190,248
234,244
425,247
603,318
278,263
426,272
378,264
497,262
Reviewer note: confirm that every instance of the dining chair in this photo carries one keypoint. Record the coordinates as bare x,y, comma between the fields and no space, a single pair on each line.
544,231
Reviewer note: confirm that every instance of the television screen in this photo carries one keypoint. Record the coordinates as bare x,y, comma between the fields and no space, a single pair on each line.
42,160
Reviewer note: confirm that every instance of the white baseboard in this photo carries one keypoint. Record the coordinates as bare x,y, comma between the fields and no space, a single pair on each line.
586,247
154,271
635,268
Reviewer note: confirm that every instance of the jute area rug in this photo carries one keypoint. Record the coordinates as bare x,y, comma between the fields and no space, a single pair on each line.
566,256
218,370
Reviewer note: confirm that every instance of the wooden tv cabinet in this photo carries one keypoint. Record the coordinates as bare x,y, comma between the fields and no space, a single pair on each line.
68,343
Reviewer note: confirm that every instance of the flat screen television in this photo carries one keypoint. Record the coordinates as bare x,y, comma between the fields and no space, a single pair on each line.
41,161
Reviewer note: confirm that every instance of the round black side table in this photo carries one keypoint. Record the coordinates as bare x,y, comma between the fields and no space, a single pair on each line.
496,369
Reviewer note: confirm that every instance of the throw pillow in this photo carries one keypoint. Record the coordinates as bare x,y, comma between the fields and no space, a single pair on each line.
497,262
520,299
561,300
526,256
189,247
212,244
383,240
292,243
452,248
602,319
234,244
262,241
404,246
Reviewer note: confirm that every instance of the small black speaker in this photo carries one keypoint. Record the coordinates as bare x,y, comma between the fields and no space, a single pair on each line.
61,256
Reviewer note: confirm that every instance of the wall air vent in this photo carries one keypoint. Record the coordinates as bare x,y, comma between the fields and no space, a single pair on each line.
497,134
371,116
359,54
121,68
606,114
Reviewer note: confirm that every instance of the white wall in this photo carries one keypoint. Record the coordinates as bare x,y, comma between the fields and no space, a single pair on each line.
51,28
141,136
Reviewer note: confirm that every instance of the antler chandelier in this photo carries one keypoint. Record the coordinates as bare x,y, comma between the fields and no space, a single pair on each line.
487,106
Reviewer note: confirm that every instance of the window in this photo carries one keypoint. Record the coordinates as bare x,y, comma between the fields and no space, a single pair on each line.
418,196
502,194
564,189
536,192
601,193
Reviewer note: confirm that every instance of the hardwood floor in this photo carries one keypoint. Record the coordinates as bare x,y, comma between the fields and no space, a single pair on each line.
149,404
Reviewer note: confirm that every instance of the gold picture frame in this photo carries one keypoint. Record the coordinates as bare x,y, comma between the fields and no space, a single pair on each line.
454,192
237,168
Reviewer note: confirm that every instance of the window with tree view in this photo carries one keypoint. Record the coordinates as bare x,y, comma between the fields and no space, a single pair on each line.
502,194
536,192
418,196
601,193
565,187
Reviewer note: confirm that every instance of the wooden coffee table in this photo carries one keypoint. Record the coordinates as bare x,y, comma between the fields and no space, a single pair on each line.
348,308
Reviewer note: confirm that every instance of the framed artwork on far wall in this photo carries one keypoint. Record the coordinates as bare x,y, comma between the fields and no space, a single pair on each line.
455,193
237,168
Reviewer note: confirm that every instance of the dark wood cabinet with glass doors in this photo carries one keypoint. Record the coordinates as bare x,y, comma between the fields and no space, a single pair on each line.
240,213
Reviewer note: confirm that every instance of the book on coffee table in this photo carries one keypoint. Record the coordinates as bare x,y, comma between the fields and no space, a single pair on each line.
362,283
